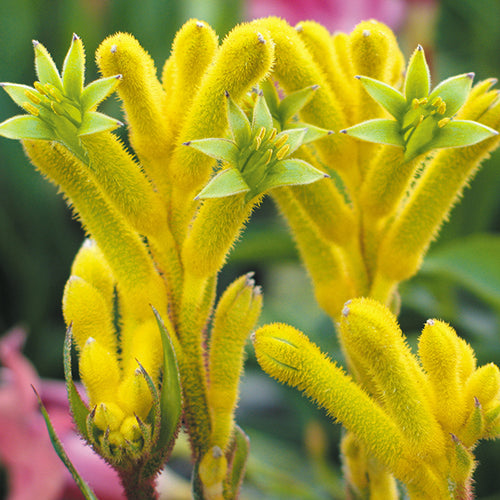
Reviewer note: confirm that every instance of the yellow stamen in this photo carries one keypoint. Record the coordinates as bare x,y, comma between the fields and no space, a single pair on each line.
283,151
32,110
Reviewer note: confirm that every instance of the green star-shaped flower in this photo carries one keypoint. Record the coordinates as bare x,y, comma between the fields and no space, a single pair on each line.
424,119
60,108
258,154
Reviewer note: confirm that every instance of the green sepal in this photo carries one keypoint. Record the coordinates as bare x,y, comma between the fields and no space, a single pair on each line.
97,91
314,133
240,448
388,97
271,96
418,80
155,413
261,116
73,72
17,93
420,138
46,69
294,102
220,149
26,127
379,130
94,122
292,172
459,133
225,183
78,408
454,92
170,393
56,443
238,122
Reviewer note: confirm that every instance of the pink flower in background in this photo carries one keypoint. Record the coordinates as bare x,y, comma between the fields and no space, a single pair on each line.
33,467
335,15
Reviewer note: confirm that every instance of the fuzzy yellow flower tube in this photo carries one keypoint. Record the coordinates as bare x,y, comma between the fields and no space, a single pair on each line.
398,406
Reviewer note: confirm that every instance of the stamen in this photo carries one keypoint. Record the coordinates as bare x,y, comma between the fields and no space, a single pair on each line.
283,151
281,141
32,110
32,97
443,122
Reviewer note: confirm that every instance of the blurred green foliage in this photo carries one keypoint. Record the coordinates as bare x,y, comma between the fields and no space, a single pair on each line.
460,281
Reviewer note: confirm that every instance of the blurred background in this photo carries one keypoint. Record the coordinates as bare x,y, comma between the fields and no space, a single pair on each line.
294,446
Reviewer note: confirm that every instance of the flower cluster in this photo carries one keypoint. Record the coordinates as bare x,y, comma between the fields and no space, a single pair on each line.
225,125
419,417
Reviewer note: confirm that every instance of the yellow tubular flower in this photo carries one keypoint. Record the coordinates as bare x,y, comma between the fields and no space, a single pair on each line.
193,50
483,384
324,262
244,58
320,44
441,184
213,468
123,248
121,178
376,54
87,311
370,332
143,99
287,355
91,265
134,395
99,371
439,354
295,69
214,231
326,206
236,314
467,360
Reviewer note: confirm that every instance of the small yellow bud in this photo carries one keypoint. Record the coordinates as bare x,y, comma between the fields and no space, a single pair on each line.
130,429
99,372
108,415
212,469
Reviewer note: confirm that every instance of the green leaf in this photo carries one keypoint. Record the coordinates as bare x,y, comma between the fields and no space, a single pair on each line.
417,81
289,173
225,183
380,131
17,93
388,97
46,70
271,96
294,102
238,123
473,262
97,91
56,443
74,69
94,122
261,116
420,138
460,133
220,149
78,407
454,92
240,448
170,396
26,127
